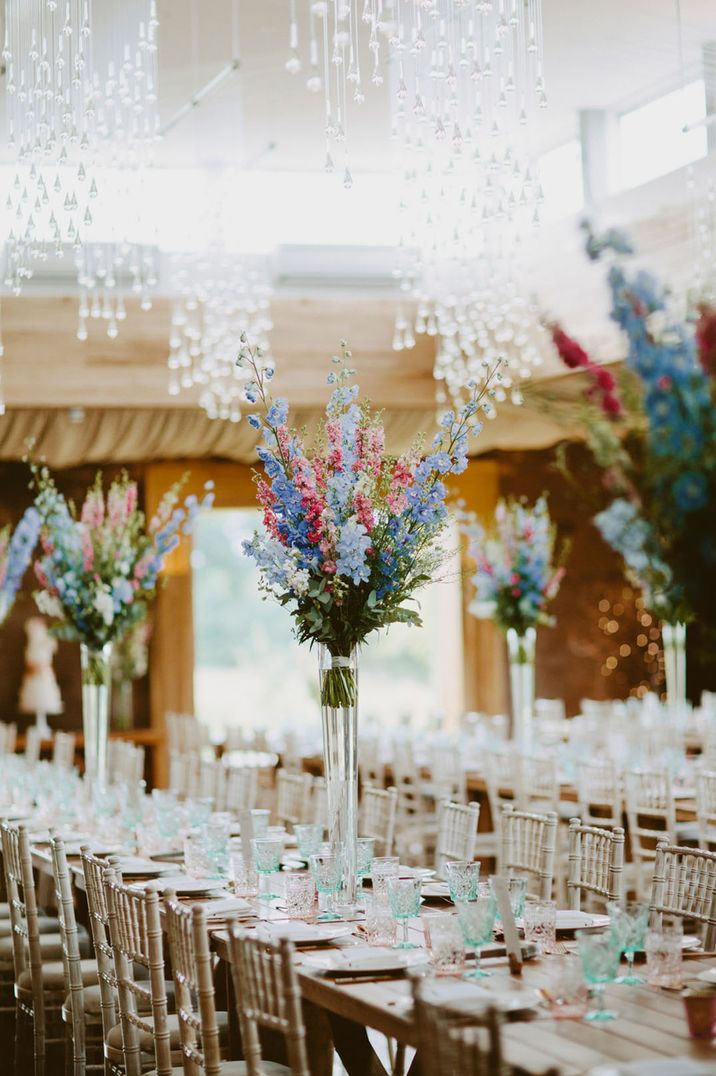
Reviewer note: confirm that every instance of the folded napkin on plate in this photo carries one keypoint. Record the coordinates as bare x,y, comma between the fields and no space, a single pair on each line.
229,906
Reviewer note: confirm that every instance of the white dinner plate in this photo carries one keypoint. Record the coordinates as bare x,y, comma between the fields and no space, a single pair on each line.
462,994
436,889
372,962
183,885
307,933
424,873
136,867
707,976
569,920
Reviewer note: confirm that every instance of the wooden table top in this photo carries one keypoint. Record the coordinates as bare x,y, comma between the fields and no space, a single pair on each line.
651,1024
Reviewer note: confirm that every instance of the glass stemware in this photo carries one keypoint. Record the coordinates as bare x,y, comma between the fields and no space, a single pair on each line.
309,838
267,852
628,925
327,871
463,877
365,847
477,919
404,899
600,963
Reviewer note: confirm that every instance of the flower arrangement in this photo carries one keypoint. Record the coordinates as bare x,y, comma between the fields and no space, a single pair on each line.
15,555
517,574
349,532
654,438
99,570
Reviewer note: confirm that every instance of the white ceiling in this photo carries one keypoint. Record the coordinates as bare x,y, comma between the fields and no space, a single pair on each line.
598,54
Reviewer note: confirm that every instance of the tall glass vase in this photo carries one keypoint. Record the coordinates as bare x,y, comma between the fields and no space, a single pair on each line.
338,680
521,658
96,685
673,638
123,705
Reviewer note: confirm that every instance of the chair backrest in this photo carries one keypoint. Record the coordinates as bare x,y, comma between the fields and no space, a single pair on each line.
136,935
456,833
63,750
22,899
320,802
596,863
447,775
95,871
539,780
376,817
599,793
188,938
706,807
371,768
293,798
503,782
125,762
33,741
212,781
651,814
267,996
241,791
447,1047
684,884
528,843
71,959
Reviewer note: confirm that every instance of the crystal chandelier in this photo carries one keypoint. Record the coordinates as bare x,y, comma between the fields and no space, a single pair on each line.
82,109
219,297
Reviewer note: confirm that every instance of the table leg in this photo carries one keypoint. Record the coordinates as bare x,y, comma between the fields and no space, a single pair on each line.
353,1047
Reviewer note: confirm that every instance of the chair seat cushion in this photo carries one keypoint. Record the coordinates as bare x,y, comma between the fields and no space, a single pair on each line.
50,944
93,1000
146,1038
47,924
53,976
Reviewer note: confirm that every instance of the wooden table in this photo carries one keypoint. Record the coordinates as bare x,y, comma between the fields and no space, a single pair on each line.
652,1022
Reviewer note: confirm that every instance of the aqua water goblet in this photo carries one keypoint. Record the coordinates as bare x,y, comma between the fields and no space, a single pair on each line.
404,900
477,919
462,876
600,962
327,871
309,838
628,925
365,848
267,852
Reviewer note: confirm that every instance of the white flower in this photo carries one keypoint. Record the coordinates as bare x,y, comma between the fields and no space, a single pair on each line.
104,605
656,323
49,605
483,610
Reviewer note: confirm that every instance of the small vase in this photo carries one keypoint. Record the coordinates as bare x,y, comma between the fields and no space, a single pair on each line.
123,705
96,683
521,657
338,681
673,638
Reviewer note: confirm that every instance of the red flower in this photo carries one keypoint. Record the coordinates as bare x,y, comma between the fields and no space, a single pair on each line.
575,357
706,338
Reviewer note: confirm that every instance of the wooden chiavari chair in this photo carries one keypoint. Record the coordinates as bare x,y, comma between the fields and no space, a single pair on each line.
651,817
241,788
212,782
293,798
76,972
268,996
451,1044
33,742
143,1037
8,737
376,817
456,833
200,1025
371,769
528,845
104,1000
706,808
684,885
37,959
320,802
596,863
125,762
599,793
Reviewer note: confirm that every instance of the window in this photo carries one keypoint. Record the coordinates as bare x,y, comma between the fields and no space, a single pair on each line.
653,140
560,172
250,671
